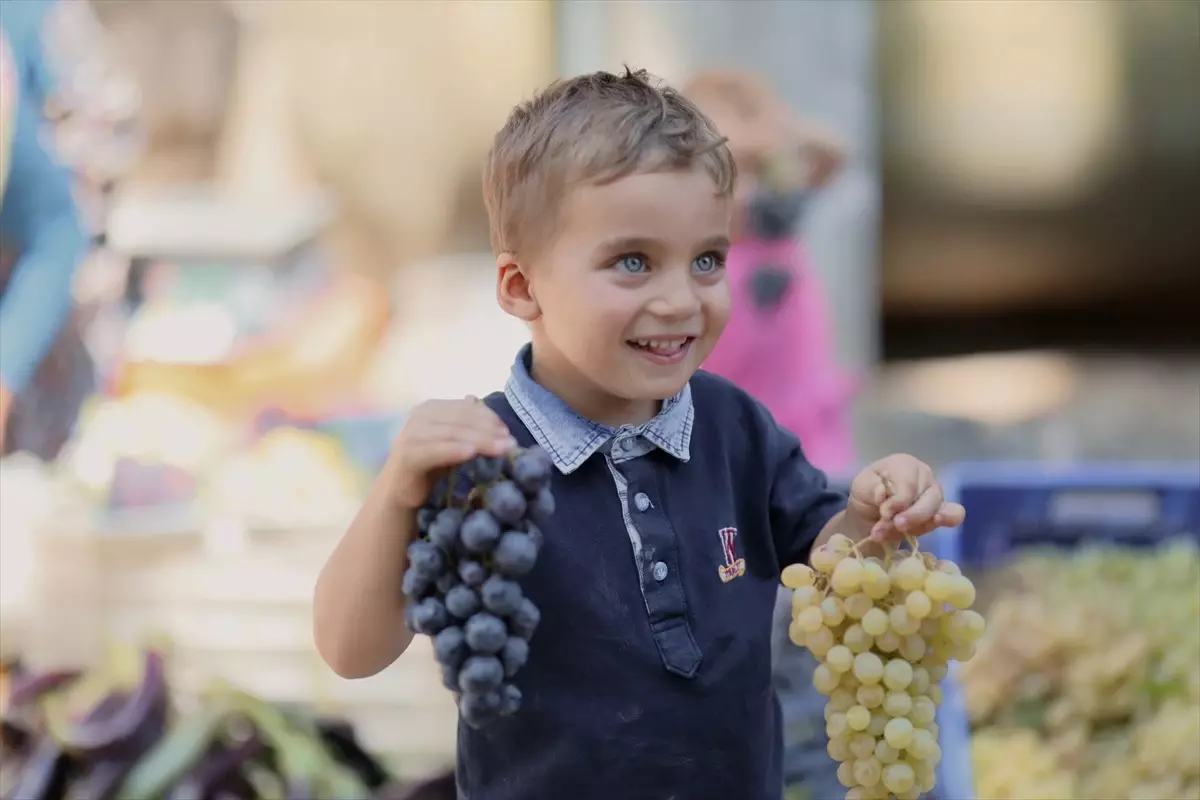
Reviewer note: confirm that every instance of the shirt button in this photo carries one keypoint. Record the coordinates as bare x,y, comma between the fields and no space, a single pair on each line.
627,444
641,501
659,571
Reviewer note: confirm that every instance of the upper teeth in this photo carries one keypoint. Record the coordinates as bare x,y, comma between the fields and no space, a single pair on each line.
661,344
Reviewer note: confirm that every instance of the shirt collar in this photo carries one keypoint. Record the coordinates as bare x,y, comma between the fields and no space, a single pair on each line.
570,439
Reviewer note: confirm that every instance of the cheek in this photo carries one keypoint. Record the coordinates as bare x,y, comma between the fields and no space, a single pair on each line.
716,306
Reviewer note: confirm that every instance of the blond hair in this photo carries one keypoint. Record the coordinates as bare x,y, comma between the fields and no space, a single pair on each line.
592,129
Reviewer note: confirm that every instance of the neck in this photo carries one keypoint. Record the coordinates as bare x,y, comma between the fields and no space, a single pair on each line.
585,398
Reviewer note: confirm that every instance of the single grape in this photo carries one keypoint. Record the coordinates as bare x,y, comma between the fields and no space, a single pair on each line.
897,704
898,777
897,674
924,709
797,575
810,619
825,680
875,581
912,648
472,573
885,752
446,582
824,559
531,470
839,658
804,597
541,507
917,604
415,585
484,469
514,655
841,700
486,633
462,601
847,577
879,721
838,749
832,611
862,745
908,573
962,592
425,517
481,674
430,616
888,642
426,559
500,596
901,622
480,531
857,605
444,530
875,622
868,668
938,586
450,646
819,642
899,733
525,619
837,726
511,699
871,695
505,501
858,718
480,708
855,638
845,774
515,554
868,770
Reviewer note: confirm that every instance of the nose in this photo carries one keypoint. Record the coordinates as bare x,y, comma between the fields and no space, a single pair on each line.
677,296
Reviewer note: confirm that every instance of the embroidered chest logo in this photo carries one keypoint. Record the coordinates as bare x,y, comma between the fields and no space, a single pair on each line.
733,567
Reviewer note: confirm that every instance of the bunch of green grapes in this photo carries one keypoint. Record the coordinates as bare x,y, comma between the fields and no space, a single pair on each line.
884,631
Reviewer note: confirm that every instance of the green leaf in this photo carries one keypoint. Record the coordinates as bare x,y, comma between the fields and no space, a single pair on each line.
173,755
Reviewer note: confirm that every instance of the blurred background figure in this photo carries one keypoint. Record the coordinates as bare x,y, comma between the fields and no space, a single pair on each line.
778,345
67,147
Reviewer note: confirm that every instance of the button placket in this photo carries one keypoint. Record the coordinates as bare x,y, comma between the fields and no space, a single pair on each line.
661,585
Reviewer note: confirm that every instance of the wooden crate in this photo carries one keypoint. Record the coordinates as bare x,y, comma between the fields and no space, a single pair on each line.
235,607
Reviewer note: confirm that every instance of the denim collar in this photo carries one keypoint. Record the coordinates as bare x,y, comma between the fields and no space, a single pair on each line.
570,439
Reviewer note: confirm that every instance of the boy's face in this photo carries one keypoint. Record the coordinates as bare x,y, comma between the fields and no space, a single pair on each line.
632,293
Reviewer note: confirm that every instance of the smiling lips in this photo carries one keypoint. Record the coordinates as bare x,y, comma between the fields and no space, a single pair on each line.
663,351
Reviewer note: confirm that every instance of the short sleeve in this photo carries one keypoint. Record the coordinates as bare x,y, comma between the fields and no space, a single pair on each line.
801,499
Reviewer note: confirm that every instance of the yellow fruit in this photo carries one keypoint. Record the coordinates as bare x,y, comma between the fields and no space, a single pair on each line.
797,576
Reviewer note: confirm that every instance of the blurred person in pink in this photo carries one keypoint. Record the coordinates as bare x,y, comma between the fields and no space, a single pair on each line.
778,345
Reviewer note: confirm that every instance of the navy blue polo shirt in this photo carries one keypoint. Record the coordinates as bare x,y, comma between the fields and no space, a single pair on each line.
649,677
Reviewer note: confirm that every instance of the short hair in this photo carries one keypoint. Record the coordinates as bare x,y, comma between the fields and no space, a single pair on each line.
594,129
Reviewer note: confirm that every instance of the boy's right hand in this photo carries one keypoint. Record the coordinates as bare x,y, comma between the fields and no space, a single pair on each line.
441,434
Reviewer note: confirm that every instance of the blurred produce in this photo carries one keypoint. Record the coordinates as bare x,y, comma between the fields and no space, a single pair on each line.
102,736
1087,684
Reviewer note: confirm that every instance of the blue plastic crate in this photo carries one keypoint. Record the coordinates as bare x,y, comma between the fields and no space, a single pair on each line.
1011,506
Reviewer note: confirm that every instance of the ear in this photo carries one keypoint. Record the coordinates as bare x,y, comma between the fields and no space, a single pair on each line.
513,292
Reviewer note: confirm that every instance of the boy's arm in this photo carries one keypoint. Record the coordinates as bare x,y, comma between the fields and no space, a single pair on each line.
358,608
805,511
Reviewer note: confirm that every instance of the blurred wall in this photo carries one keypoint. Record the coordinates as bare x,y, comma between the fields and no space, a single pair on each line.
821,57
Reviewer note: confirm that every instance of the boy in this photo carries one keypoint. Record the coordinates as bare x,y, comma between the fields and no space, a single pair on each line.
678,497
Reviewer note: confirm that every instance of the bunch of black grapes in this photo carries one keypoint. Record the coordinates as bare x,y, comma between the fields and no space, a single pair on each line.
478,535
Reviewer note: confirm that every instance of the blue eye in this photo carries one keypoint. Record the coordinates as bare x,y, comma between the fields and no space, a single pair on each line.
708,263
633,264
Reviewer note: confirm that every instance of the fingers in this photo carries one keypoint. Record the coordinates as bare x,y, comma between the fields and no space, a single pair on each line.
921,511
950,515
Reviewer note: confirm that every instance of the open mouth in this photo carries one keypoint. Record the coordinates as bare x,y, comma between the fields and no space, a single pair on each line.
662,350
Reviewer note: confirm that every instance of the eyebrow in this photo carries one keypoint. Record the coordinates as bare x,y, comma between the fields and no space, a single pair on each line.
625,244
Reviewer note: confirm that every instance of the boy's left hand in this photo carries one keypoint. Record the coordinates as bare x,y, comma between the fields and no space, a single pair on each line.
898,496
